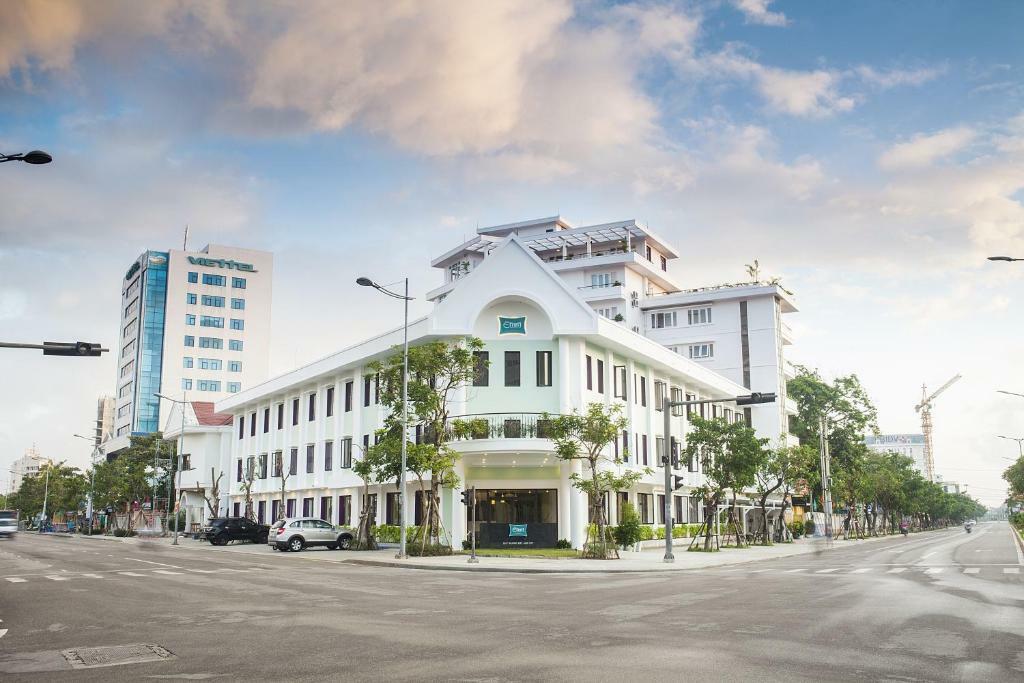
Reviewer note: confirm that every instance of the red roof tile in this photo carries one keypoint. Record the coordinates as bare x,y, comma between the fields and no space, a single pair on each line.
206,416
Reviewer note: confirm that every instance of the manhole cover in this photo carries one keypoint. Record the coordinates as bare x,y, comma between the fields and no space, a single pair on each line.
136,653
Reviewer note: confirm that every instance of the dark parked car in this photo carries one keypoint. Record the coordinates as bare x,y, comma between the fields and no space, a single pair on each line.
223,530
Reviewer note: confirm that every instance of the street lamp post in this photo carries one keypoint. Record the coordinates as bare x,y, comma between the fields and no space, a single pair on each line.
35,157
667,453
1020,441
367,282
46,495
92,486
177,459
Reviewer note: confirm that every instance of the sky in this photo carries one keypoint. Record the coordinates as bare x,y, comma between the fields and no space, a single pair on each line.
870,154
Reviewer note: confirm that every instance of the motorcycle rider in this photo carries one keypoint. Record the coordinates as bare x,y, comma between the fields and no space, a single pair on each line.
904,528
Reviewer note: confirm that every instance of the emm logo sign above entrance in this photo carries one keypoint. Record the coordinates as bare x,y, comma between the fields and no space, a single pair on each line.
508,325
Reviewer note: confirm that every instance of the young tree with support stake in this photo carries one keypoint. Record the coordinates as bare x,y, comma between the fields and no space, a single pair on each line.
365,539
586,438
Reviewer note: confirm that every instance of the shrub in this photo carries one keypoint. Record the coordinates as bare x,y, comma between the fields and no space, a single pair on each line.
630,530
808,527
563,544
121,533
386,533
429,550
797,529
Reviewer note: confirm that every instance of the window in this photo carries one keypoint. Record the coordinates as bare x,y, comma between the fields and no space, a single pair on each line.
600,376
345,453
659,451
330,401
645,501
698,316
238,304
659,395
481,368
703,350
190,298
619,372
609,312
643,391
238,471
278,463
601,280
310,457
344,510
210,321
215,301
664,263
293,461
187,361
643,449
190,340
660,509
280,415
312,407
659,320
511,368
348,396
366,391
289,507
376,388
590,373
124,410
261,515
125,390
328,456
625,445
210,364
266,420
207,385
193,277
647,253
237,324
677,397
543,368
190,319
366,443
295,411
252,424
238,282
262,466
216,280
234,387
127,368
234,366
307,508
234,344
241,426
391,509
211,343
325,510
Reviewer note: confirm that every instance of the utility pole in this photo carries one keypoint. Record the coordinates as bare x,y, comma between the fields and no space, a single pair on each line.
46,495
826,476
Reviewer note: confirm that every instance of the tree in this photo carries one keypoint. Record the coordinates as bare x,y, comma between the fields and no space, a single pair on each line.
779,470
63,487
1014,476
586,437
213,499
728,453
132,476
437,370
248,479
365,540
284,473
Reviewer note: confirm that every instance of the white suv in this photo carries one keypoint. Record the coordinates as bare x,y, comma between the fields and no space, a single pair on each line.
296,533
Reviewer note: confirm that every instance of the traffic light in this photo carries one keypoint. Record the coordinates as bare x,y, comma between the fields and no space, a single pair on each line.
678,482
467,497
674,451
755,397
72,349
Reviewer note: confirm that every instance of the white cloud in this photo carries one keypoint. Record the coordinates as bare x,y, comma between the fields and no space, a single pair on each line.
893,78
802,93
757,12
922,150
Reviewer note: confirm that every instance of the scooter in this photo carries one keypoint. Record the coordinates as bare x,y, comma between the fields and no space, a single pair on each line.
905,530
968,527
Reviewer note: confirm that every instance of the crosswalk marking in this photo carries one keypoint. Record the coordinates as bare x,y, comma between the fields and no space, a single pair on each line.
862,570
972,570
204,571
827,571
794,571
896,570
15,579
933,570
57,578
130,574
91,576
164,571
1011,570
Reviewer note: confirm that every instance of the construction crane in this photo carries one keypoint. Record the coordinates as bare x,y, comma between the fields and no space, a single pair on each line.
925,408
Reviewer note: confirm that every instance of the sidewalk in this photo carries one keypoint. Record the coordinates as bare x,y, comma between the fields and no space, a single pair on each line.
631,562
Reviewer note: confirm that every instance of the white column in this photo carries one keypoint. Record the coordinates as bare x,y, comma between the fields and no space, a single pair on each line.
564,501
564,376
456,510
577,511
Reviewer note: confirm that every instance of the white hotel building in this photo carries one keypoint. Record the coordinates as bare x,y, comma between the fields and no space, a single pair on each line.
192,324
570,351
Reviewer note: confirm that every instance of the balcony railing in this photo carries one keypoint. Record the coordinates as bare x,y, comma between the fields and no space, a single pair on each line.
499,426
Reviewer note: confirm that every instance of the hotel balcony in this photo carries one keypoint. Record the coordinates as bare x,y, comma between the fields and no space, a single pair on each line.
615,291
786,333
499,433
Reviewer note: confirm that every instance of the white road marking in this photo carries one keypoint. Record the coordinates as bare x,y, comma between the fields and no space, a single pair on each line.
794,571
1011,570
162,564
57,578
91,576
929,554
130,574
164,571
862,570
15,579
972,570
934,570
896,570
827,571
3,632
204,571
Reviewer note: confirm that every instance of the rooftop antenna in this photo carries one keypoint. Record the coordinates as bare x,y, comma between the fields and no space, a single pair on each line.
184,246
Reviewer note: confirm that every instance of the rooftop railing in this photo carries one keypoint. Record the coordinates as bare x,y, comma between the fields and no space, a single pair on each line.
499,426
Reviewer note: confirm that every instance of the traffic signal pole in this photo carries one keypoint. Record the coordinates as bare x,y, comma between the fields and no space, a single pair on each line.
668,452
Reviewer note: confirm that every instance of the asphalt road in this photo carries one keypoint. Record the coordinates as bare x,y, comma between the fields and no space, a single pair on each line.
935,606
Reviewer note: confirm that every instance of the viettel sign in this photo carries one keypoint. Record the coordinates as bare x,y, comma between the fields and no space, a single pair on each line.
517,530
220,263
508,325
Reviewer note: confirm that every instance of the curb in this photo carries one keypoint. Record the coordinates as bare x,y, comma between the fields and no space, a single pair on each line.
1019,538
